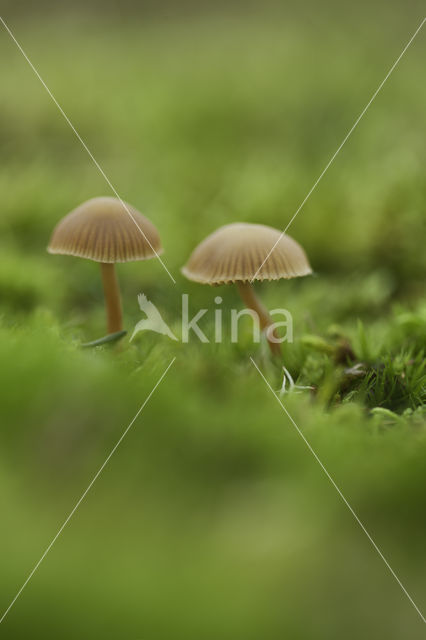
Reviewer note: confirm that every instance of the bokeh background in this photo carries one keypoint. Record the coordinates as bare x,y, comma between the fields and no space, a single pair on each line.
213,520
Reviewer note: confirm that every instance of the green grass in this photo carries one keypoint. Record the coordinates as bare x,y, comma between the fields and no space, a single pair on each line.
213,520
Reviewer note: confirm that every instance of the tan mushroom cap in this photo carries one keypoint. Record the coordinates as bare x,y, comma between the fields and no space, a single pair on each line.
101,229
235,252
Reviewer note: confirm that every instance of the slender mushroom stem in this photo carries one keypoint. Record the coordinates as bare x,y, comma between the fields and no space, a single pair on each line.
251,301
112,297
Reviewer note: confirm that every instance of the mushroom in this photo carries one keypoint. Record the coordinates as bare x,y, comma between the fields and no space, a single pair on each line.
107,230
236,253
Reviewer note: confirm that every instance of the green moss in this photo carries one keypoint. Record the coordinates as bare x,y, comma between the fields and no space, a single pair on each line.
212,519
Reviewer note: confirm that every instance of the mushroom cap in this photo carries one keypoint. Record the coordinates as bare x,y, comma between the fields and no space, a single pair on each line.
102,230
235,252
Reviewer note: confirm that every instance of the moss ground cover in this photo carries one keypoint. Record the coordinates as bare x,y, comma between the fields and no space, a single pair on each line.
213,520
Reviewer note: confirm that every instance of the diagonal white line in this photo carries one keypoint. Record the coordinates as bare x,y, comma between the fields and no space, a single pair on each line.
343,143
84,145
92,482
339,492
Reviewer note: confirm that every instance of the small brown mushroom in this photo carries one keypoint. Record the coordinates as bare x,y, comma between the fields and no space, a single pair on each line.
236,253
107,231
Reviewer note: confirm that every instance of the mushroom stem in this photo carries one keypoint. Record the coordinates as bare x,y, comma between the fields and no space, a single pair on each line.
251,301
112,297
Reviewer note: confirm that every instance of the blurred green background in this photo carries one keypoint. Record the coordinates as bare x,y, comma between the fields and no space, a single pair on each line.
213,520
